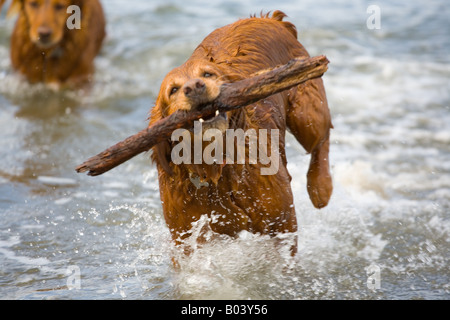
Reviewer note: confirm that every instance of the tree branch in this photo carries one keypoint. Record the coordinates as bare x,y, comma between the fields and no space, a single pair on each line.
232,96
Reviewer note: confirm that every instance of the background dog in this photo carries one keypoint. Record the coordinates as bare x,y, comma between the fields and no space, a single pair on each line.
237,197
44,49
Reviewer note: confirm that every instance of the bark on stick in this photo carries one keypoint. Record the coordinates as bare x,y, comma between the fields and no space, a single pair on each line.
232,96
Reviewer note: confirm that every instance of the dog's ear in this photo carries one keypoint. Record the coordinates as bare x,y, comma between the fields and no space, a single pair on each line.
161,151
14,9
161,155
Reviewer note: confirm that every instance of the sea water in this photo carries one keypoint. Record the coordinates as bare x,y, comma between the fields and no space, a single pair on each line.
384,234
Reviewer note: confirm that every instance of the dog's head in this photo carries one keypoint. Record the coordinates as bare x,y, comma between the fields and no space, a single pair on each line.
195,83
192,85
46,19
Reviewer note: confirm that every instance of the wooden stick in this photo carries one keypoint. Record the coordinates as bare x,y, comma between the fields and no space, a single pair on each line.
232,96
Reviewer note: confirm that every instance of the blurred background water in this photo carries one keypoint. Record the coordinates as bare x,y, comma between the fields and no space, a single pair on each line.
387,223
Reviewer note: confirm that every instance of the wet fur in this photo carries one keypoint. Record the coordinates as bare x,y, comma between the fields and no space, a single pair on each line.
237,197
68,59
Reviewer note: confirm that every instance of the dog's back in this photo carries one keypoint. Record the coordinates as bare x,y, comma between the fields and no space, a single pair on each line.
251,45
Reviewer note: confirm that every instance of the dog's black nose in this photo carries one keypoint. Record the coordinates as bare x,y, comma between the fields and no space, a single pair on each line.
44,33
194,87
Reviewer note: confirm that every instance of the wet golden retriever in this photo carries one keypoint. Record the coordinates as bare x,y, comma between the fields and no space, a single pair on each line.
46,48
234,196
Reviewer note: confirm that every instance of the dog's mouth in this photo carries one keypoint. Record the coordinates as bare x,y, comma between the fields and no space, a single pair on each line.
45,44
202,175
45,40
219,120
218,116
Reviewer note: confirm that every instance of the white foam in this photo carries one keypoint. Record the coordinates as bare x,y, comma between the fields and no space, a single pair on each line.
359,177
57,181
63,201
11,255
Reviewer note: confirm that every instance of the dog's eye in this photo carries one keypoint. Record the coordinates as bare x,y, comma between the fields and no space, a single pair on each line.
34,4
173,90
59,7
208,75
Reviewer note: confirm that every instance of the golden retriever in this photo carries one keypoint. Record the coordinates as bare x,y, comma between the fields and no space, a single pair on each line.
236,196
46,48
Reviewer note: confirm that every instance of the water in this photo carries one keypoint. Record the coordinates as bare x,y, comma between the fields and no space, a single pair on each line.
387,223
